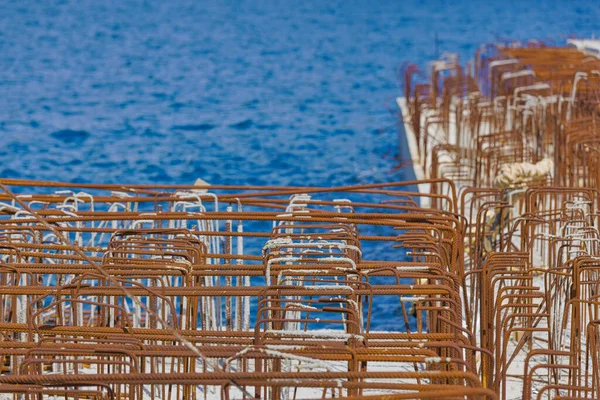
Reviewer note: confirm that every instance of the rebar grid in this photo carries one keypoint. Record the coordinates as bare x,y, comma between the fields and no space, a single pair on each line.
197,292
516,131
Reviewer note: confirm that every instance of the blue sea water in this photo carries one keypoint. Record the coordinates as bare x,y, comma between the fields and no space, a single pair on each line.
234,92
295,92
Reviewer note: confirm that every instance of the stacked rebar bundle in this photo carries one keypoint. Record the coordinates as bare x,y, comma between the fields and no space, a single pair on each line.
204,292
516,131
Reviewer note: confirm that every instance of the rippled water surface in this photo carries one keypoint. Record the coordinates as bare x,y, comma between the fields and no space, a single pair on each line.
234,92
256,92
